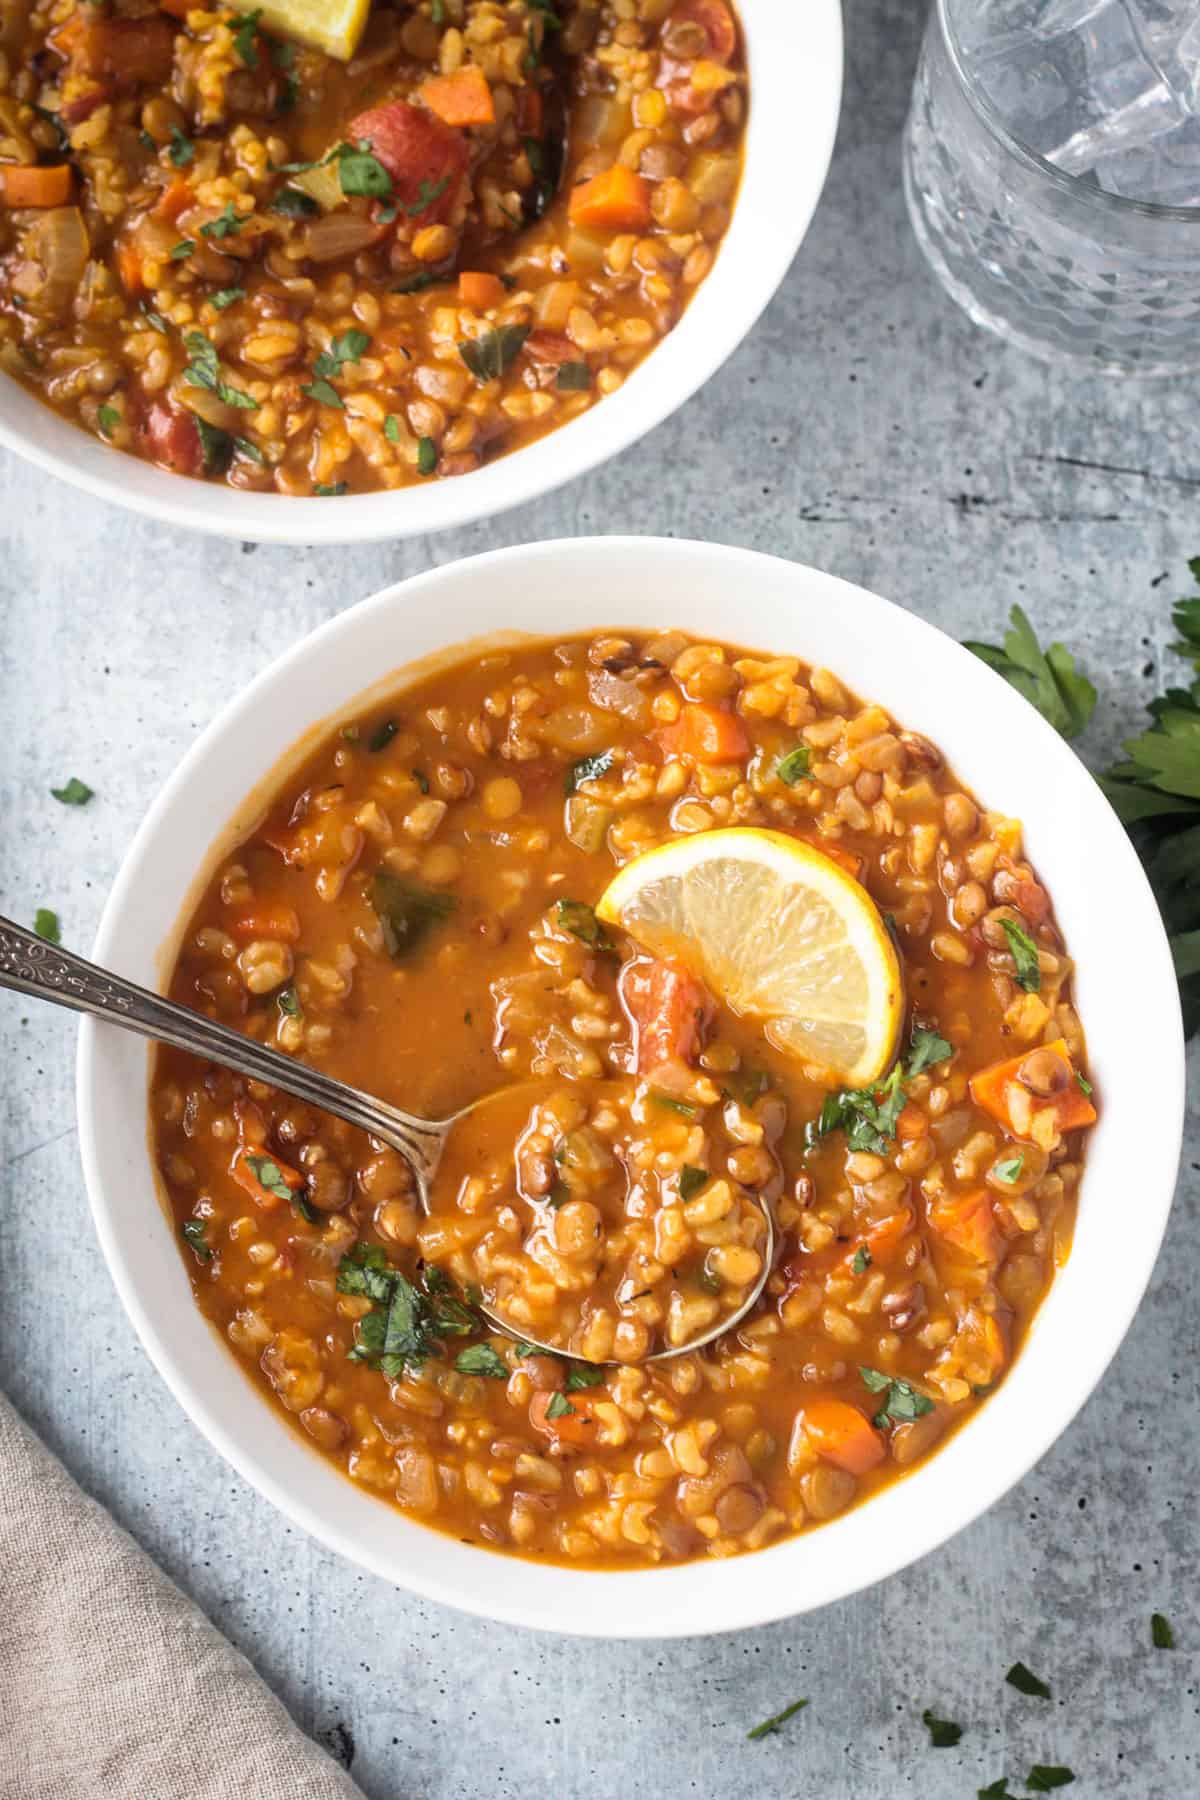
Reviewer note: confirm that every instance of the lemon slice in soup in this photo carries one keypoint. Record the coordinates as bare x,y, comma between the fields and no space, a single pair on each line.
334,26
780,934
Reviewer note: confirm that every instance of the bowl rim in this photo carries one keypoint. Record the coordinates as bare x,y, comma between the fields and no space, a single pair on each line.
766,231
697,1599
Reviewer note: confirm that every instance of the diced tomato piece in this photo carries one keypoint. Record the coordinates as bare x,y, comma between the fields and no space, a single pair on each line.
843,1435
670,1010
425,158
172,439
707,734
715,20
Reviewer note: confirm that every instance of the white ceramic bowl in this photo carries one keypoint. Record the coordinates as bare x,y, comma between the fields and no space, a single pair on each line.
795,62
999,746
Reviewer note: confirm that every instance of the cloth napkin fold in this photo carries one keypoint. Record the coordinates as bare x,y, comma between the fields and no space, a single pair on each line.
113,1686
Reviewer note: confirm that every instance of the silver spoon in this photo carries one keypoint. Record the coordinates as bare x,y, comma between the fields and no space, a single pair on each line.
29,965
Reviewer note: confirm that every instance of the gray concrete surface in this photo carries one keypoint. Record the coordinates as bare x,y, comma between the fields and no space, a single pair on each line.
869,429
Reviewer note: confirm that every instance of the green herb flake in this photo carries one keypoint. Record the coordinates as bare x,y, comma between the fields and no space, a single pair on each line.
289,1002
427,193
943,1733
867,1116
427,456
108,418
584,1375
216,447
709,1282
491,355
669,1103
481,1359
154,319
559,1407
902,1402
182,148
1024,955
391,429
421,779
225,297
226,224
573,378
1044,1777
794,766
580,920
862,1260
204,371
996,1790
926,1048
1010,1170
183,248
144,139
776,1720
294,203
1048,679
244,447
406,911
437,12
1026,1682
416,284
409,1320
382,736
361,173
691,1180
75,793
588,768
46,925
269,1176
1161,1635
1085,1086
193,1234
331,490
324,394
244,38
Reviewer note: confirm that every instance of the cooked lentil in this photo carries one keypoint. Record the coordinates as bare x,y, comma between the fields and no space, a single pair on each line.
414,915
241,259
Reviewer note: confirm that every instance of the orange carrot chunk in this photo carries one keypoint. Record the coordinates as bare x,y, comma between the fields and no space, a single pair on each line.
573,1422
615,200
882,1240
968,1223
843,1435
480,290
463,98
1072,1108
264,1177
706,734
26,185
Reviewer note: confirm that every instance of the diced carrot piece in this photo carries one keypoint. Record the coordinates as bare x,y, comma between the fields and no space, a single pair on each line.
463,98
883,1239
129,267
1072,1108
968,1223
23,184
480,290
175,198
843,1435
281,922
615,200
706,734
911,1123
577,1427
245,1177
670,1011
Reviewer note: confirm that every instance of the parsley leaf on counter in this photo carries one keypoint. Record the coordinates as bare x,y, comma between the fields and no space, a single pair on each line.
776,1720
46,925
1048,679
1045,1776
943,1733
75,793
1026,1682
1161,1635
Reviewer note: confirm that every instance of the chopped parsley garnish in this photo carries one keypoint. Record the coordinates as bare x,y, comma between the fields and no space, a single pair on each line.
492,355
559,1194
408,1322
862,1260
746,1086
1161,1635
588,768
269,1176
226,224
416,284
182,148
289,1002
481,1359
204,371
193,1231
244,38
427,193
996,1790
427,456
225,297
183,248
943,1733
584,1375
154,319
672,1105
382,736
1043,1777
326,395
573,378
331,490
216,447
294,203
709,1282
902,1402
795,765
362,173
75,793
421,780
577,917
1010,1170
348,348
1026,1682
46,925
405,911
144,139
391,429
437,12
867,1115
776,1720
691,1180
926,1048
1024,955
1085,1086
559,1406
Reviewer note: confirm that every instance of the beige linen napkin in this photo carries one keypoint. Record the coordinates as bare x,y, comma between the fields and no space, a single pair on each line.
112,1685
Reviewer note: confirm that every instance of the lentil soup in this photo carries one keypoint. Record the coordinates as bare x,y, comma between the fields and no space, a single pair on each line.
415,913
244,259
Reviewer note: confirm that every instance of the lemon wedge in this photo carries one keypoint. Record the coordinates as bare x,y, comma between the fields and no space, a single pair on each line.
779,933
334,26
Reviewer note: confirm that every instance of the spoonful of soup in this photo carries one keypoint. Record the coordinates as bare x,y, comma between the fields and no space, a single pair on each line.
529,1218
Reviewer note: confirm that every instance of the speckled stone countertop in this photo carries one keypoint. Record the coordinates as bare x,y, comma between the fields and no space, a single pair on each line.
865,427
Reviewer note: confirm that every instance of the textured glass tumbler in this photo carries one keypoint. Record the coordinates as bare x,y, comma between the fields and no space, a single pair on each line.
1047,260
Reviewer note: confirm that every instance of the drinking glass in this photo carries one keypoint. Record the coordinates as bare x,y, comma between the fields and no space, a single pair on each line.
1052,173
